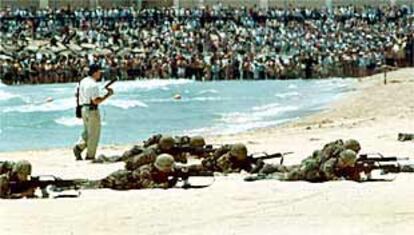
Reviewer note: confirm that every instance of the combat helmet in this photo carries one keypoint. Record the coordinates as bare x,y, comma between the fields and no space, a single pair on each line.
197,142
347,158
164,162
238,151
352,144
166,143
23,167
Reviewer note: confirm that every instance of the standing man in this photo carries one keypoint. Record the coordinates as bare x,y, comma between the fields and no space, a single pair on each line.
89,99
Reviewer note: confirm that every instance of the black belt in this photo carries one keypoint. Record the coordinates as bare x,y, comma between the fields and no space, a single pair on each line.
90,106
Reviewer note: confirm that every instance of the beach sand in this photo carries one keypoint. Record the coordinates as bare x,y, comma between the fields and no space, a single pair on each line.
372,113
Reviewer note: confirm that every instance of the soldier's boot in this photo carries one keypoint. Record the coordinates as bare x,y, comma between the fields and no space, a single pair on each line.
252,178
77,152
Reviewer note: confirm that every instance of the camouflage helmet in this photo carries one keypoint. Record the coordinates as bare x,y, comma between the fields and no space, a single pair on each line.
197,141
166,143
347,158
23,167
309,164
164,162
352,144
239,151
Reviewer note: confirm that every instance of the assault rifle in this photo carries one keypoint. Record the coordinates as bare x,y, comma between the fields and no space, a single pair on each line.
199,151
184,173
256,157
258,162
110,83
44,182
365,164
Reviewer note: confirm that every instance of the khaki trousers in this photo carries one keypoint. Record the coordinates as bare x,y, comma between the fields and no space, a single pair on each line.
91,132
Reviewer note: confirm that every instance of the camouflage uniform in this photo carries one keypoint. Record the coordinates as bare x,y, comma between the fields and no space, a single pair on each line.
154,175
333,162
324,165
14,171
146,176
146,154
228,159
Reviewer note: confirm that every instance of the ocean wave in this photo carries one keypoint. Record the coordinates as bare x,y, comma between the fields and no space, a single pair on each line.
148,84
185,99
207,98
292,86
69,121
235,128
256,114
62,89
266,107
6,95
160,100
127,104
57,105
238,117
287,94
210,91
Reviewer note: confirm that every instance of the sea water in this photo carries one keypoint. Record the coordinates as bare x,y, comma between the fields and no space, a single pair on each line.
43,116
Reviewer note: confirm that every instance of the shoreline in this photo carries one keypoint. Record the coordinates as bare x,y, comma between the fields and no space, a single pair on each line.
232,206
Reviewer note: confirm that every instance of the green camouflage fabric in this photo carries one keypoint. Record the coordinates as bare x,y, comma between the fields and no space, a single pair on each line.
140,155
12,171
323,165
353,145
164,162
145,177
6,167
4,186
239,151
197,142
146,157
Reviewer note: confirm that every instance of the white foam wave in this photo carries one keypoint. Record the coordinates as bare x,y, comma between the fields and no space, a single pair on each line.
69,121
238,118
165,100
208,98
210,91
292,86
61,89
148,84
127,104
288,94
185,99
266,107
234,128
57,105
257,114
6,95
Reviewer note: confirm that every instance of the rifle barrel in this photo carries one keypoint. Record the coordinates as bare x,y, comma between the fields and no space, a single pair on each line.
110,83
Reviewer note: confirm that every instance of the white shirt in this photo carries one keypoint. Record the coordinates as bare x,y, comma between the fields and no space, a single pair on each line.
88,90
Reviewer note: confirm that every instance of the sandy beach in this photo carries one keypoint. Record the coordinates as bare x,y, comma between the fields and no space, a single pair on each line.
372,113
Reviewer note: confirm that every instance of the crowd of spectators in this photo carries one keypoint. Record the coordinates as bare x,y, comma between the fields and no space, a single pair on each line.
205,43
